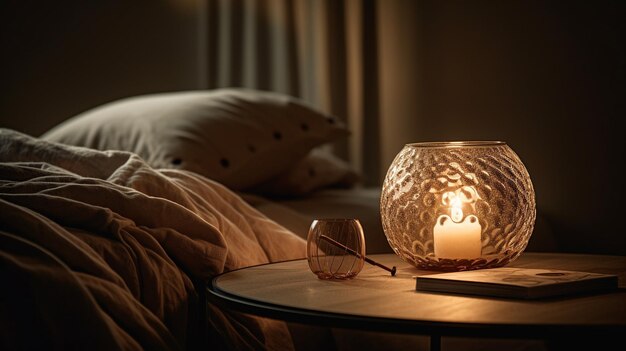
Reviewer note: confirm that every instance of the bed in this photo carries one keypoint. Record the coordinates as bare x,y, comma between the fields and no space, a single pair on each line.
112,222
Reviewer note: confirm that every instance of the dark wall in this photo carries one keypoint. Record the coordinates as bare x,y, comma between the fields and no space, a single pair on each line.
548,77
60,58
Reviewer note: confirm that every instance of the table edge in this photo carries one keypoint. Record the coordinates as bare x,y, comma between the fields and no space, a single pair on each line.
240,304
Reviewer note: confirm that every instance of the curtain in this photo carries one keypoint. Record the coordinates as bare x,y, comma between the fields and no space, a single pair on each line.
323,51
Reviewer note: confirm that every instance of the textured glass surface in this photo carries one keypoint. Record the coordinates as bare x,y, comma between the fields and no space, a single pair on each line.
336,248
457,205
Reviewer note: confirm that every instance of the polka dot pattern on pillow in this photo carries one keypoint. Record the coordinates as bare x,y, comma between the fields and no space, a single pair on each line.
239,137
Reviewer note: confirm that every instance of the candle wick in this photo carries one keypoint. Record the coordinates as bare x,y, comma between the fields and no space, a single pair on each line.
456,212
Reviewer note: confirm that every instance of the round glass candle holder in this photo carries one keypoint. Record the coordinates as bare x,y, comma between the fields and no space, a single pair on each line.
457,205
336,248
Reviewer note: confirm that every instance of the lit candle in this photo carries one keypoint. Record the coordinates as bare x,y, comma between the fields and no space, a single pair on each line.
455,237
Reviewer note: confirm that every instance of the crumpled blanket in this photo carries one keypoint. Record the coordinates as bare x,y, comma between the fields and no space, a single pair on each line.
99,251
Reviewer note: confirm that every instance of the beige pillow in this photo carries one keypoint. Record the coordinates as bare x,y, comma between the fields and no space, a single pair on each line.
238,137
318,170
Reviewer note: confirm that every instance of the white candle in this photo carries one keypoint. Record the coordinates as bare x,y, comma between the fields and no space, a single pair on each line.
455,237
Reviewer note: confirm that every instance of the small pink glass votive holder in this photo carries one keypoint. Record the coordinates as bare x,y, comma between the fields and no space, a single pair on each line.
336,248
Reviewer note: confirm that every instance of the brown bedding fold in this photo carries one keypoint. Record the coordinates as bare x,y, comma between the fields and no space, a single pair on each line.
99,250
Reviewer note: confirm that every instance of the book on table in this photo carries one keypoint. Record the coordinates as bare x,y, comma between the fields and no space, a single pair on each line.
525,283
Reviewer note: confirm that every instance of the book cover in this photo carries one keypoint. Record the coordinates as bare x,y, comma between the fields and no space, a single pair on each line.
512,282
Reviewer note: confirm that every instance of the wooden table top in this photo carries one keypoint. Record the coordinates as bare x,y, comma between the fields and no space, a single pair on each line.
374,300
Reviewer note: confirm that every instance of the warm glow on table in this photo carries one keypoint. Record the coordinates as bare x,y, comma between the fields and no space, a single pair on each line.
376,298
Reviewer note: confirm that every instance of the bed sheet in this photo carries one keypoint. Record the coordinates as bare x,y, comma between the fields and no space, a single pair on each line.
296,214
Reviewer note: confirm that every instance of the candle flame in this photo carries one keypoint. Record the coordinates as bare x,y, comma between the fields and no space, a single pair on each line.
455,211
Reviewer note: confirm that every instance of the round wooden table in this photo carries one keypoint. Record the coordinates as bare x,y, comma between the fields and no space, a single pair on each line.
375,300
